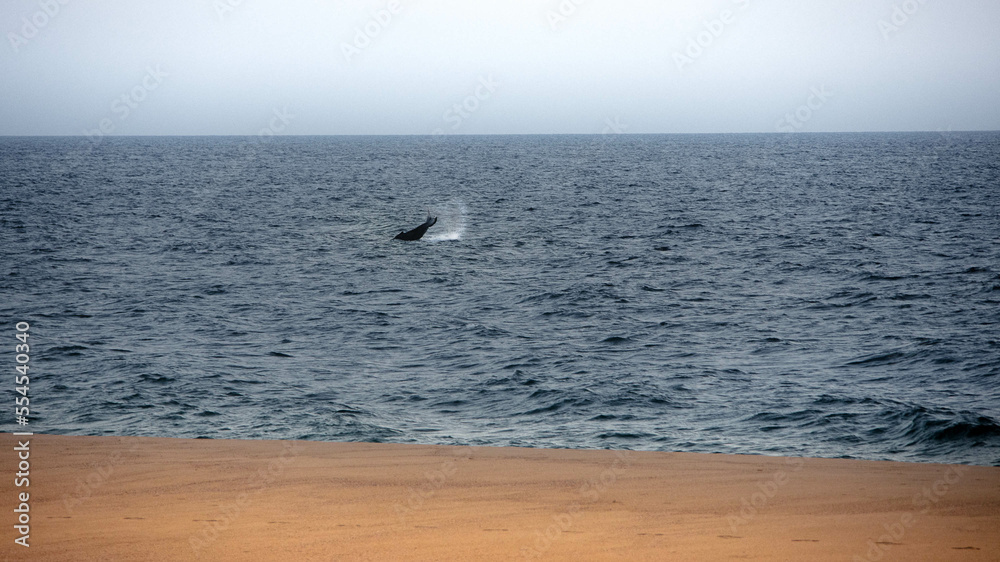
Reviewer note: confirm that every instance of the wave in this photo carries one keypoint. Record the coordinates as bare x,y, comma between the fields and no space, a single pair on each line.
911,430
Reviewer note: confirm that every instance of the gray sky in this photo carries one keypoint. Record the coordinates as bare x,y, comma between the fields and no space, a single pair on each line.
202,67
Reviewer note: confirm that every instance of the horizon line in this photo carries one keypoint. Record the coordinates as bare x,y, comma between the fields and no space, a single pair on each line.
779,133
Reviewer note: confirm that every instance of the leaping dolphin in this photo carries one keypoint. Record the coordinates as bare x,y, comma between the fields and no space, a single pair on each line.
417,233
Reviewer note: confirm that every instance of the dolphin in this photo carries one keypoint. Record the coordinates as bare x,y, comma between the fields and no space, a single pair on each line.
417,233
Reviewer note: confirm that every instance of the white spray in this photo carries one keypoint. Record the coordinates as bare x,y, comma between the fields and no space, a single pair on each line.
451,222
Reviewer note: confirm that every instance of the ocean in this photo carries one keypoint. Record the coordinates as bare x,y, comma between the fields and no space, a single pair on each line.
827,295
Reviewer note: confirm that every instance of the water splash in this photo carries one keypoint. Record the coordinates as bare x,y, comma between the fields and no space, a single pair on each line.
451,220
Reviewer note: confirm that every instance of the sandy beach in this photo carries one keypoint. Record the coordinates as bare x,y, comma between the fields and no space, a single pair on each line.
114,498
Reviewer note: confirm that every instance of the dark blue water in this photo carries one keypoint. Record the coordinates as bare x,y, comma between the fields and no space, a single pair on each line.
821,295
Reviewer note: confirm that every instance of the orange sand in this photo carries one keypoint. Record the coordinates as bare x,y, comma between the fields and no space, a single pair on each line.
111,498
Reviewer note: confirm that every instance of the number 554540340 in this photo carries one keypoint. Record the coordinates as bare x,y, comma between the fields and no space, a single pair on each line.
21,407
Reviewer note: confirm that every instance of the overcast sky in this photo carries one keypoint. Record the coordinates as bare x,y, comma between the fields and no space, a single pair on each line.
206,67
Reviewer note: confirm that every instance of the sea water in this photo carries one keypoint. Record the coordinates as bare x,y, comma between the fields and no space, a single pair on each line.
831,295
